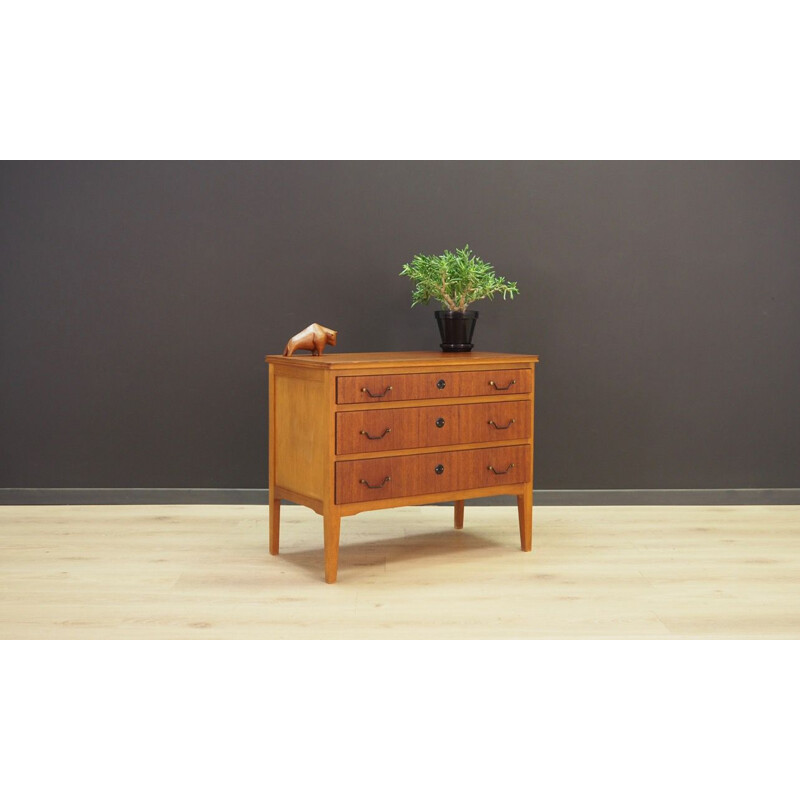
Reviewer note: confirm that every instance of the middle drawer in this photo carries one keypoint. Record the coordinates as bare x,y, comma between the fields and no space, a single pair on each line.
431,426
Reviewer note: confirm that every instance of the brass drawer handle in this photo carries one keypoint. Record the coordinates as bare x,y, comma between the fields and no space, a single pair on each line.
379,486
502,427
507,469
364,433
501,388
383,394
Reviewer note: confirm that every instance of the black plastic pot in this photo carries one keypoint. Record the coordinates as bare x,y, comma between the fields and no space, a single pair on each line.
455,328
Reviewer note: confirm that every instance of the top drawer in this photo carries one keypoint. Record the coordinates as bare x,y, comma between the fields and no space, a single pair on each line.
432,385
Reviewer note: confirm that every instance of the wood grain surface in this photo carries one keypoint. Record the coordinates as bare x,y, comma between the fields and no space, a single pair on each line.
439,385
431,426
444,471
203,572
412,359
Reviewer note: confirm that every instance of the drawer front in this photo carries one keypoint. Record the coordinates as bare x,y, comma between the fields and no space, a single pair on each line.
431,426
428,473
432,385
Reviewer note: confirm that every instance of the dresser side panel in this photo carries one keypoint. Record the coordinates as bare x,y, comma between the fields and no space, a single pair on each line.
302,432
533,416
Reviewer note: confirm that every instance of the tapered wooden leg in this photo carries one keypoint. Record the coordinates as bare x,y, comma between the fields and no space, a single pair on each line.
274,523
332,523
525,508
458,515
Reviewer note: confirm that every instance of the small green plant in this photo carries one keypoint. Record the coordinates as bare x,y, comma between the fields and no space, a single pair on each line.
455,279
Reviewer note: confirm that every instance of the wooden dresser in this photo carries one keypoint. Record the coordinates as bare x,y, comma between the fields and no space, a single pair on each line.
351,432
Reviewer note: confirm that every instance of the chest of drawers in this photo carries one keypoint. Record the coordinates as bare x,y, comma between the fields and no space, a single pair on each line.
352,432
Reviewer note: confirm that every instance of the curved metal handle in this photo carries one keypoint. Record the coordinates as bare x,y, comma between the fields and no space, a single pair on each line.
364,433
501,388
383,394
502,427
509,467
379,486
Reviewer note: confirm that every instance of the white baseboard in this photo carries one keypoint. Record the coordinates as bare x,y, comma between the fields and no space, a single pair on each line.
544,497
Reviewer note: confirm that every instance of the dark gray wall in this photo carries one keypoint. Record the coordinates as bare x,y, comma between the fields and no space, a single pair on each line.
138,301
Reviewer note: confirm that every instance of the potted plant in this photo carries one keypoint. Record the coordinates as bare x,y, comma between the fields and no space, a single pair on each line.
455,280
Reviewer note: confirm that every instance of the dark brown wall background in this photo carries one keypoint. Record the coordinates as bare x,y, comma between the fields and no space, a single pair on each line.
138,301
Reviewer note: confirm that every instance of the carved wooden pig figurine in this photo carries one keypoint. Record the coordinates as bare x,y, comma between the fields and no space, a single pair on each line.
313,338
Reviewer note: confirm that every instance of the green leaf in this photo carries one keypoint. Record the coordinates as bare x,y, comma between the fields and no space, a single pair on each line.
455,279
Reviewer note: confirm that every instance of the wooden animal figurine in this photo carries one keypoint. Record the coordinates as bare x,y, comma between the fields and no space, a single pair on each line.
313,338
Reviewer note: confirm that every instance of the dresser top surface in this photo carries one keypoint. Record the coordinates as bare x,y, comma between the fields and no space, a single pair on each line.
398,359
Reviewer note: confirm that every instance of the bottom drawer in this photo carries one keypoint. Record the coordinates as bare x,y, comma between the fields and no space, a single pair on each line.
429,473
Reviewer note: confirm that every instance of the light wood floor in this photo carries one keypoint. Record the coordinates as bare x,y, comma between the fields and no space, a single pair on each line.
156,572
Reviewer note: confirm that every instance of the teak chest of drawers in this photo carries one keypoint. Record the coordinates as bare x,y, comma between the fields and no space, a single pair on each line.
351,432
